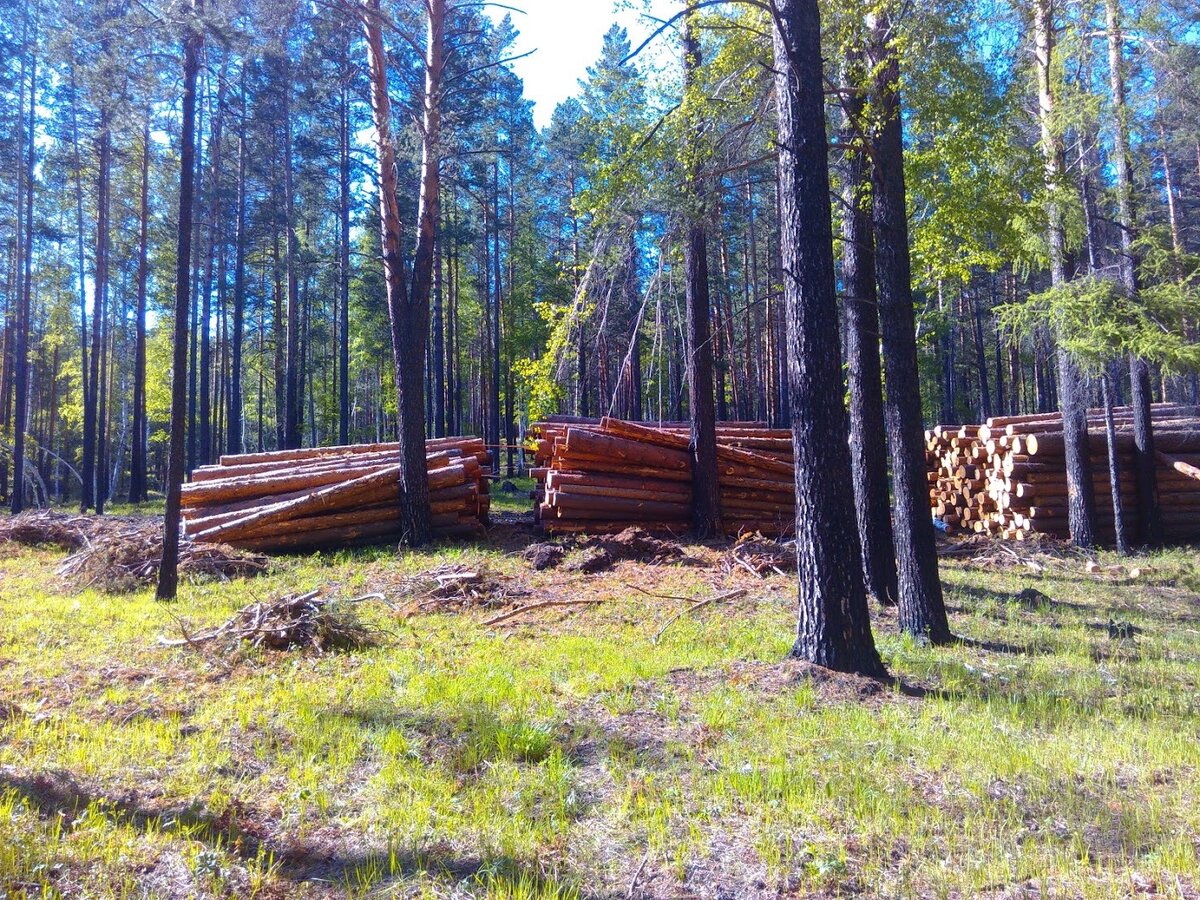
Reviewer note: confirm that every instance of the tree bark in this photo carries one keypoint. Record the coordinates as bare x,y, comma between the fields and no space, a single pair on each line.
235,429
168,572
834,628
21,360
706,500
137,460
1150,514
92,449
1072,398
868,434
292,399
205,376
922,607
1114,467
408,306
494,405
344,273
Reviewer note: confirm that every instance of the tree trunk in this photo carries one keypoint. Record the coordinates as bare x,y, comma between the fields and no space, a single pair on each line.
1114,466
168,572
234,417
86,492
408,306
633,300
21,360
494,409
1072,399
205,377
92,443
922,608
344,273
834,628
137,460
868,435
292,399
439,339
1150,515
706,500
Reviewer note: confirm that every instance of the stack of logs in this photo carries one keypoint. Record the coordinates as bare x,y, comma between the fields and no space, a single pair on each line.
601,476
1008,478
331,496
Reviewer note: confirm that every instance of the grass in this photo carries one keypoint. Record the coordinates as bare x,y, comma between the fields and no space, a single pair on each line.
571,756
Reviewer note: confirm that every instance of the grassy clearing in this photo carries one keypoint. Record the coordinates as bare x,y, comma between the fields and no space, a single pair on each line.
565,754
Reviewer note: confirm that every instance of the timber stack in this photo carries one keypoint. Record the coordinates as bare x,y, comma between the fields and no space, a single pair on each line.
602,476
331,496
1008,477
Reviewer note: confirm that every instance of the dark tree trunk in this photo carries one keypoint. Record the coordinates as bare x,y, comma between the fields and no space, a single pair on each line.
344,274
922,608
279,329
985,393
292,398
168,573
234,417
21,357
439,341
706,497
194,314
633,300
205,376
137,459
1139,371
86,492
408,305
1072,399
494,407
834,628
868,436
92,450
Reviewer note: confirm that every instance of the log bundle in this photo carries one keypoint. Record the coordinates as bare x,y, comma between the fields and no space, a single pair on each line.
601,476
331,496
1008,478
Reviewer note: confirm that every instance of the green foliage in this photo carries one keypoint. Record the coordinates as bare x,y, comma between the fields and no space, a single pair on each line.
1096,322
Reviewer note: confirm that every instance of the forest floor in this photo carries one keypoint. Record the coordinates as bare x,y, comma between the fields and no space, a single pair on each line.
638,745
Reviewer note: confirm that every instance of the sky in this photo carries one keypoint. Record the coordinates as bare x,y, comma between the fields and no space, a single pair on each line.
566,37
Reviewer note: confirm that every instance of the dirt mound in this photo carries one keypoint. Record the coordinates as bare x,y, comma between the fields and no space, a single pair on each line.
633,544
544,556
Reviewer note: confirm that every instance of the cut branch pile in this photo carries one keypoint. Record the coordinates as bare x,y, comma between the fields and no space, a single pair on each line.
304,621
332,496
122,553
1008,478
601,477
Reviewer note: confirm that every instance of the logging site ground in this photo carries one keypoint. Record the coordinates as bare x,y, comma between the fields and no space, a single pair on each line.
597,727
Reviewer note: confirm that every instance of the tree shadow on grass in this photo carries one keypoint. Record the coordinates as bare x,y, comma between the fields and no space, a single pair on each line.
237,832
1028,602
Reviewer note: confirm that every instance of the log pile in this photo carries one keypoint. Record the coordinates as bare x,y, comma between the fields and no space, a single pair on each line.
1007,478
602,476
331,496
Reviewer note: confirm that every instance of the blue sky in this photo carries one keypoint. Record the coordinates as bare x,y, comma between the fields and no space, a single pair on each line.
566,35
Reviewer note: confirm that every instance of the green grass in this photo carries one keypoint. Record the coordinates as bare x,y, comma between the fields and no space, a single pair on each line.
563,756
